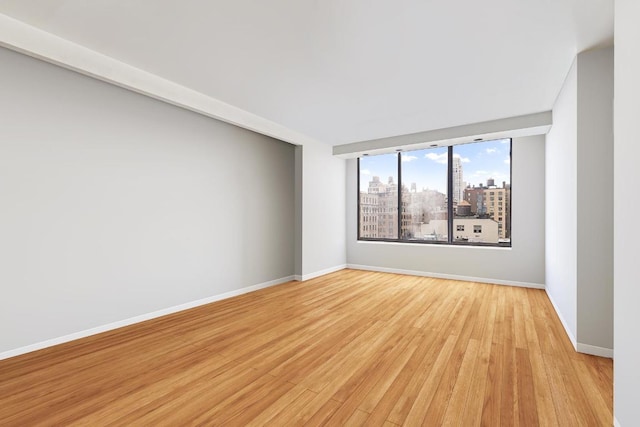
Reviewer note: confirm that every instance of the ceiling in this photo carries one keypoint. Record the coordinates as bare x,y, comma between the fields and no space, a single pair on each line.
343,71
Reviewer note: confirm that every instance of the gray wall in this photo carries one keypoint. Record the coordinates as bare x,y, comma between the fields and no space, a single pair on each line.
580,203
595,198
626,203
114,205
298,212
522,264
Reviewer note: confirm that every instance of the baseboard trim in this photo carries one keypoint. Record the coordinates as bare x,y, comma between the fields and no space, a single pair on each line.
595,350
446,276
302,278
141,318
616,423
572,338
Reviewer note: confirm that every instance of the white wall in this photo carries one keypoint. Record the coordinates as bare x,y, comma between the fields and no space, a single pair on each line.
323,211
114,205
595,199
579,261
626,204
562,204
522,264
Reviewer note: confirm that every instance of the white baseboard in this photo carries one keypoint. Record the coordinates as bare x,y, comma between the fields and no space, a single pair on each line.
302,278
446,276
572,338
140,318
595,350
580,347
616,423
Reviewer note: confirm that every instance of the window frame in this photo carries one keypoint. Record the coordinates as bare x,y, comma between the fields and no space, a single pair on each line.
451,241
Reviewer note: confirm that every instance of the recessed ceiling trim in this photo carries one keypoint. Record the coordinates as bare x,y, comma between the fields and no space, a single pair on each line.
530,124
29,40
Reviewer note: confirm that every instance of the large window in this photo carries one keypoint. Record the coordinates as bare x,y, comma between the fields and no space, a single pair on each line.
458,195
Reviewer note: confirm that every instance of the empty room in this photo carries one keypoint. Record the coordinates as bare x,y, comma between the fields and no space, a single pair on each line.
319,213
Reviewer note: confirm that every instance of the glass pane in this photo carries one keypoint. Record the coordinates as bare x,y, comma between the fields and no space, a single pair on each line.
424,195
379,197
483,212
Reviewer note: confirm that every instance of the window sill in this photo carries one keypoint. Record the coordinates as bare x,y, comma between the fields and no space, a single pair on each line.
433,245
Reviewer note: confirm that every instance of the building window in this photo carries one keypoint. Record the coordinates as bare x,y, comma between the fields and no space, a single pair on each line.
422,196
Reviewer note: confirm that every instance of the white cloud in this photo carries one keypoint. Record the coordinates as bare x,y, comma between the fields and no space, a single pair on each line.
442,158
491,150
462,159
365,171
507,161
505,141
438,158
408,158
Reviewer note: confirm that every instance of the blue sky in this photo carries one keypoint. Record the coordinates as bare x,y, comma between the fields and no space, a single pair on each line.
428,168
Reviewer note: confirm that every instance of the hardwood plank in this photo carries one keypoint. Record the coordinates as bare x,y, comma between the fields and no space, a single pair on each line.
451,371
284,410
458,400
543,396
245,406
417,414
373,397
563,405
492,398
509,389
412,379
601,401
321,416
472,414
348,348
527,404
358,419
354,391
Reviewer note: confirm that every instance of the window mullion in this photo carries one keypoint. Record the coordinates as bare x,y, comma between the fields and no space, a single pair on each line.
358,195
450,195
399,196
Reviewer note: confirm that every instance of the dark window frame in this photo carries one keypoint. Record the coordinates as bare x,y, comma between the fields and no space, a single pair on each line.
450,216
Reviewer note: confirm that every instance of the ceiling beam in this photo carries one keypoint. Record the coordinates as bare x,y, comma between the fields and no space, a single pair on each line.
29,40
511,127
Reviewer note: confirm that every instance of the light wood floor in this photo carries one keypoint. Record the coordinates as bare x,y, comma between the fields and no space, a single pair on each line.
349,348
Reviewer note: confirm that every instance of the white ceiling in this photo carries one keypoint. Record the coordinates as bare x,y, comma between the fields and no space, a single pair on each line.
342,71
